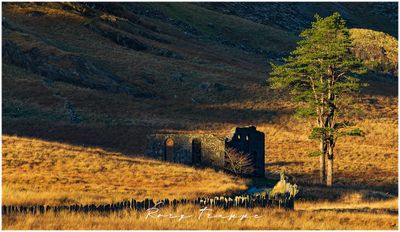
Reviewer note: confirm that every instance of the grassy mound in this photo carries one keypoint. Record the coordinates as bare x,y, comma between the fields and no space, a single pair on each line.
41,172
377,49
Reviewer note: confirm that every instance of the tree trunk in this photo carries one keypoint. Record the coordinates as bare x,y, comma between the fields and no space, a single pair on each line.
329,176
330,123
322,171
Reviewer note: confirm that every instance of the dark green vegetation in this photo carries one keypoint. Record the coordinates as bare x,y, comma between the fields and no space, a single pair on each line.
322,73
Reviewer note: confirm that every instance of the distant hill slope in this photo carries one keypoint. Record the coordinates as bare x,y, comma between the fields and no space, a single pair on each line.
72,70
296,16
378,50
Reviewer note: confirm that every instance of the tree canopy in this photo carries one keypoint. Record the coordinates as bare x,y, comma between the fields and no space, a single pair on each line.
321,73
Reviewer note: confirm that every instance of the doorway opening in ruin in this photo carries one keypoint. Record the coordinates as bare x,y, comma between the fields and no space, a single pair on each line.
169,150
196,151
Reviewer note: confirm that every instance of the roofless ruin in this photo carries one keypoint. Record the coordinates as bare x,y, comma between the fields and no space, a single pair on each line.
209,149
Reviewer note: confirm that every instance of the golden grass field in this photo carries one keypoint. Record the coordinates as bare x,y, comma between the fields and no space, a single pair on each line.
39,172
304,217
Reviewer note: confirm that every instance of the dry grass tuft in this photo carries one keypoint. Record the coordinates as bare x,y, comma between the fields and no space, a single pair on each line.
271,219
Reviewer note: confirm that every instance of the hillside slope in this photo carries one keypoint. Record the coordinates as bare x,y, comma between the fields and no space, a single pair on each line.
378,50
106,75
296,16
41,172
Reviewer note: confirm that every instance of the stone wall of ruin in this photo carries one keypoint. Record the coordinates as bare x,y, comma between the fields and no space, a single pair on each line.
212,148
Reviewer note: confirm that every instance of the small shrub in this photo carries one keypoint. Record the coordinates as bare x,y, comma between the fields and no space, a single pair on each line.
238,162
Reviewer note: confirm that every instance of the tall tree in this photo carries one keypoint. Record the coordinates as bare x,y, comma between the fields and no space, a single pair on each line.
320,74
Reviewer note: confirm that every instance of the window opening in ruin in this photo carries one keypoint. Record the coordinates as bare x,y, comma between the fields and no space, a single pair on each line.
169,150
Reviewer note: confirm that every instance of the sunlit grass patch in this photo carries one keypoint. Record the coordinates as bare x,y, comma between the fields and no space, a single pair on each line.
41,172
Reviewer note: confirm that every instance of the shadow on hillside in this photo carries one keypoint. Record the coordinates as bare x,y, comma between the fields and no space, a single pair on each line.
310,189
380,84
132,139
126,139
198,116
370,191
283,163
316,192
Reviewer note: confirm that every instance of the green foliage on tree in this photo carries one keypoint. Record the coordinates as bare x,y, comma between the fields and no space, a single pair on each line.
321,75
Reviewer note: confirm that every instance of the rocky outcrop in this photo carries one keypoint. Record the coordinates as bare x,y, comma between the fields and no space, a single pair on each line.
127,40
118,37
377,50
284,187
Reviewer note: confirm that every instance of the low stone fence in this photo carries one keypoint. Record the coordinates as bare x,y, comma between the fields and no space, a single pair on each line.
243,201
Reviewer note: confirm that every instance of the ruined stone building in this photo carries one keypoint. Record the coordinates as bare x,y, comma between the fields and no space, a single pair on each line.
250,141
208,149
